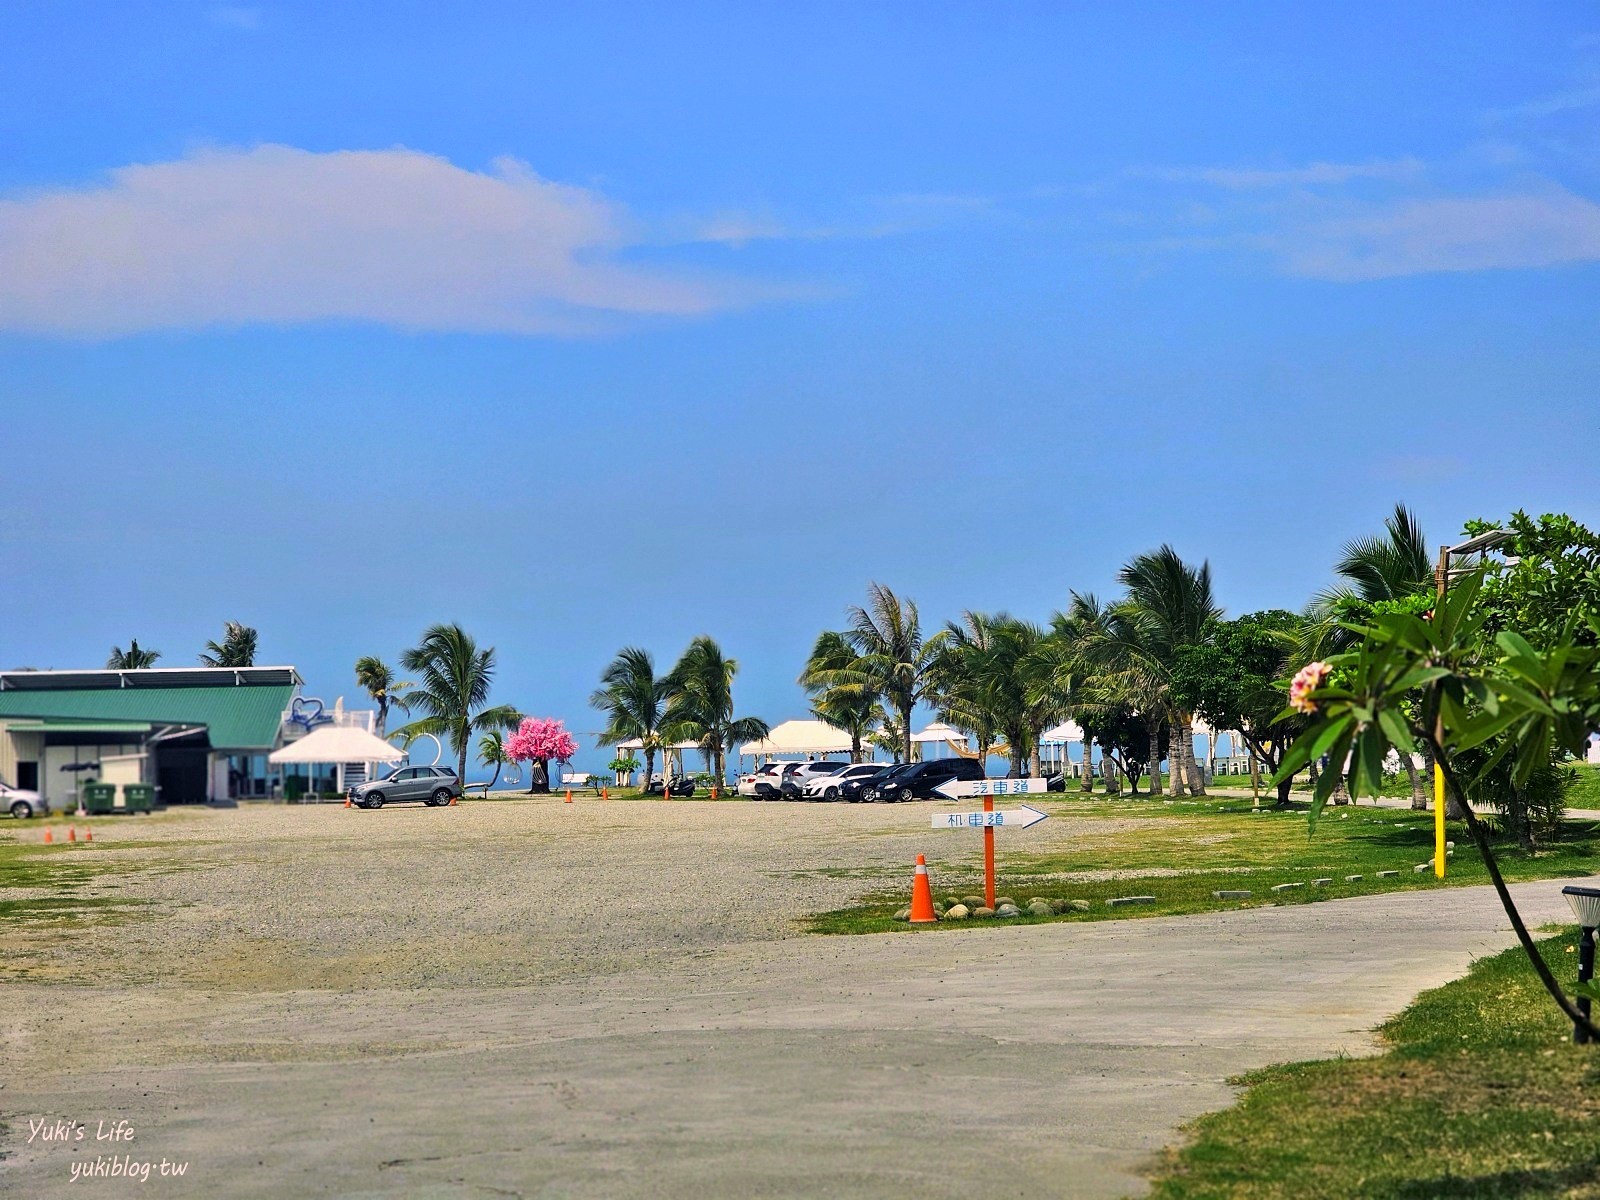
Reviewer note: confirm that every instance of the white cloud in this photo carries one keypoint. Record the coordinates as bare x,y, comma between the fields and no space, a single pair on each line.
1310,175
278,234
1420,236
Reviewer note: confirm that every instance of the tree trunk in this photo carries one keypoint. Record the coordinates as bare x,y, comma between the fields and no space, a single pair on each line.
1152,727
1197,778
649,769
1110,769
1419,795
461,765
493,781
1035,764
855,746
905,730
1087,783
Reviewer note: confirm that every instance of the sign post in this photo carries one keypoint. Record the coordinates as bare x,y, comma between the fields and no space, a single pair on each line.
989,820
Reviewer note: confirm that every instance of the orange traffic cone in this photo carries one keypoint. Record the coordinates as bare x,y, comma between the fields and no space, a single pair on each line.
88,835
48,836
72,833
922,896
605,793
347,800
569,795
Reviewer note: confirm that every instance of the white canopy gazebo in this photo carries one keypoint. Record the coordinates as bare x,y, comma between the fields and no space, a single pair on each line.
1057,740
339,745
671,753
940,734
798,737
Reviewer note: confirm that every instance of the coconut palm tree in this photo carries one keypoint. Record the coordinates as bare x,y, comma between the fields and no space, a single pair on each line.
377,678
841,693
492,752
895,657
237,648
700,705
1373,569
633,700
453,690
131,659
961,679
1074,635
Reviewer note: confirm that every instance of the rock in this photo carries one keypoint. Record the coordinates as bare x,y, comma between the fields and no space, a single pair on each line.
1352,879
951,901
1061,906
972,902
1121,900
1008,910
957,912
1286,887
1388,874
1234,894
903,914
1421,867
1032,900
1002,901
981,911
1041,908
1321,882
1078,905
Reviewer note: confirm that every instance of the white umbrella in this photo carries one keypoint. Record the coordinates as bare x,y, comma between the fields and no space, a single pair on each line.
337,744
940,732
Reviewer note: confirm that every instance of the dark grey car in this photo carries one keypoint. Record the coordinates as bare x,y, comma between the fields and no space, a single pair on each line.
431,785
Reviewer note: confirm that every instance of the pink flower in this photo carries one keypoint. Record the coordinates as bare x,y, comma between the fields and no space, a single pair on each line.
1307,680
542,738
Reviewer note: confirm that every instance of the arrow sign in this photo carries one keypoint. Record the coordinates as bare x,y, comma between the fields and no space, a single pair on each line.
962,789
1016,818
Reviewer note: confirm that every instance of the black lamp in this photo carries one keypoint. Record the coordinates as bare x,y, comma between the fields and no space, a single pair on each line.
1586,907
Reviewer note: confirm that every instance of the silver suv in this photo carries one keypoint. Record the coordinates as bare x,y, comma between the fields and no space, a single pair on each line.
431,785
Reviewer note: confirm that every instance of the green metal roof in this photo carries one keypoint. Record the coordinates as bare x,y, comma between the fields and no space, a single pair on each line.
54,725
238,718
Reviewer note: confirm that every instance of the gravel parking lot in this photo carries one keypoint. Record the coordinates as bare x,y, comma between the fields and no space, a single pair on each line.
526,998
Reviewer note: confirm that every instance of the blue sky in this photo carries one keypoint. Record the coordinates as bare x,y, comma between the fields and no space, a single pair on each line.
599,325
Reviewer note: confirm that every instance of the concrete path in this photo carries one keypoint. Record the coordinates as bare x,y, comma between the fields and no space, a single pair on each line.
1054,1060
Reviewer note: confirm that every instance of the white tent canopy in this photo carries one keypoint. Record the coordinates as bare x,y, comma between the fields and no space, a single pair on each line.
1067,731
940,732
638,744
337,744
799,737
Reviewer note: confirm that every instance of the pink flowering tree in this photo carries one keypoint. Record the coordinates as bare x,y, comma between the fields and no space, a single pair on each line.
539,740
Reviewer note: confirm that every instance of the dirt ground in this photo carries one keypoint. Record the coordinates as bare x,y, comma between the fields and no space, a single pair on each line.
530,998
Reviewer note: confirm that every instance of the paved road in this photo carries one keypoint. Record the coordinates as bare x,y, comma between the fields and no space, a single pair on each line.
1044,1061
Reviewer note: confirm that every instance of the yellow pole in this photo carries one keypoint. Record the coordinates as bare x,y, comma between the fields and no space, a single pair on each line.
1438,821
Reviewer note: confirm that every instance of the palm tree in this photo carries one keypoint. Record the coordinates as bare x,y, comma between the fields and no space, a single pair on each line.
1074,635
492,751
377,678
895,658
131,659
237,648
453,691
700,705
1372,569
959,678
841,693
633,699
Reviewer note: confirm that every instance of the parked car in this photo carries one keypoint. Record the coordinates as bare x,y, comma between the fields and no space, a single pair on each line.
854,790
831,786
918,781
795,782
23,803
432,785
682,786
764,774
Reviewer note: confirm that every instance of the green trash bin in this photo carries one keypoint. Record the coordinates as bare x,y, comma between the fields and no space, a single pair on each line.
99,799
139,797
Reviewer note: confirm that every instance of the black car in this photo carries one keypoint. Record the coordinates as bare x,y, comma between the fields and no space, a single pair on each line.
919,781
855,788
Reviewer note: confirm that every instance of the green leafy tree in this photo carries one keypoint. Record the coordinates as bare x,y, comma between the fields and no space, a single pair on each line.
841,691
453,681
1491,709
1125,742
1549,584
896,659
1234,680
237,648
134,658
700,705
1072,653
377,679
633,700
492,752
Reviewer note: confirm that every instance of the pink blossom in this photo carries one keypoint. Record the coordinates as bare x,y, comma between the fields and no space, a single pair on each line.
541,738
1307,680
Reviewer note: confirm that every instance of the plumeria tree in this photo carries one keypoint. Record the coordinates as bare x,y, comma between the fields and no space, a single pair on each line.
1494,709
540,740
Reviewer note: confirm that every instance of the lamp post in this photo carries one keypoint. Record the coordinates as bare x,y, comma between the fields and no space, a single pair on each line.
1586,907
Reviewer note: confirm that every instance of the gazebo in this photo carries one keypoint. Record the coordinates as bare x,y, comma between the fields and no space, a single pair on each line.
1053,745
940,734
340,745
798,737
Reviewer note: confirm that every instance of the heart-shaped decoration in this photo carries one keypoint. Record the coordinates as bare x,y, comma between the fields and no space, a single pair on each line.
307,712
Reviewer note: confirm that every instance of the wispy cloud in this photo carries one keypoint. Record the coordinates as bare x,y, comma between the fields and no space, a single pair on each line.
1309,175
278,234
1413,237
235,17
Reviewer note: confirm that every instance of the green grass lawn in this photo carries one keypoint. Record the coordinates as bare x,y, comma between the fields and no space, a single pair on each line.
1481,1094
1182,852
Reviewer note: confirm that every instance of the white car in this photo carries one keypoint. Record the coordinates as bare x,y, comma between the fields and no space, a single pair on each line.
766,775
22,803
826,787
